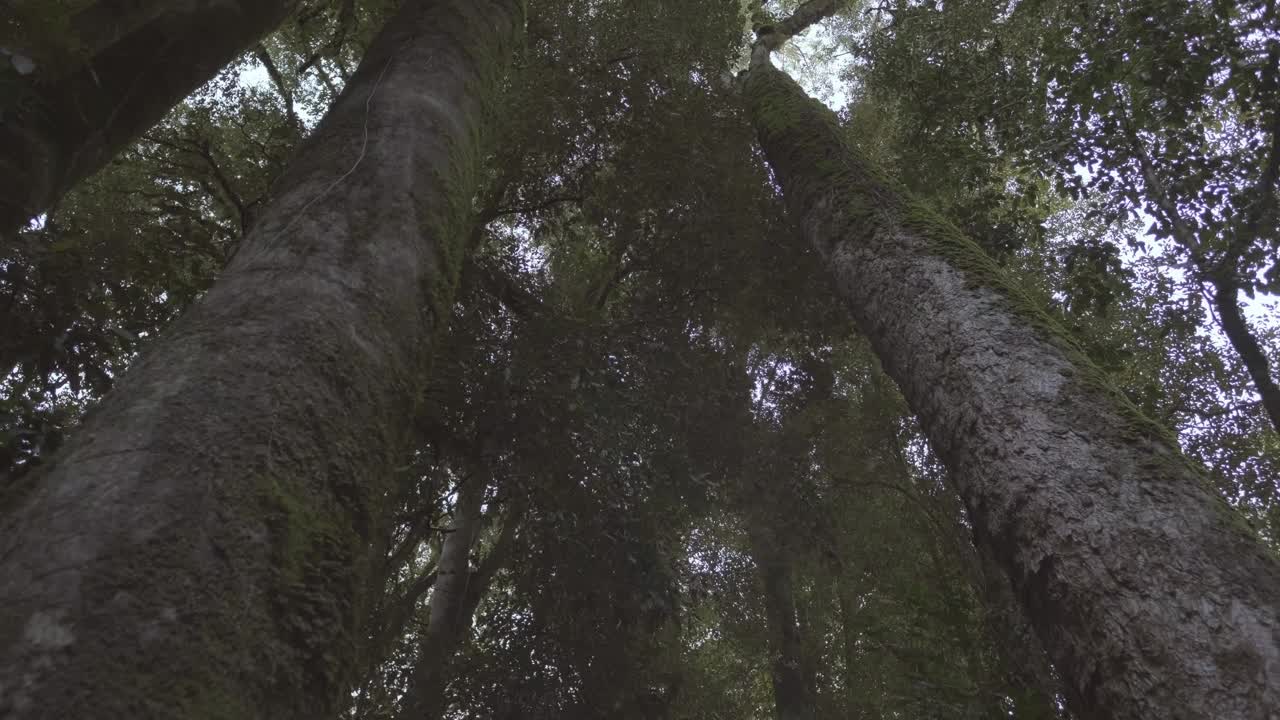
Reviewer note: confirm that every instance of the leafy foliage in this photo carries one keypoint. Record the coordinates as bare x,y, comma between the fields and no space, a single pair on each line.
699,487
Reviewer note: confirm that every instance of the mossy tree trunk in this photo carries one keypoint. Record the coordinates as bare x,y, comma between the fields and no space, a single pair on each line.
1150,595
100,78
200,548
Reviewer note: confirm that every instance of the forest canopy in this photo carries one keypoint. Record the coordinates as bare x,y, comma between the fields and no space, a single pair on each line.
380,359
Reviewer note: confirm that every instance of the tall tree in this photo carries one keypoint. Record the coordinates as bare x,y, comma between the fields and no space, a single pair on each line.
1152,597
198,550
84,79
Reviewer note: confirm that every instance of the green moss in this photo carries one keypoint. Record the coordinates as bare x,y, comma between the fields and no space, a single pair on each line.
947,242
452,224
218,671
196,697
318,558
300,528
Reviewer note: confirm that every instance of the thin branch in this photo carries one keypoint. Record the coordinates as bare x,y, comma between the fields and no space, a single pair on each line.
224,183
501,286
1237,330
497,557
420,528
524,209
1164,203
1226,287
277,79
806,16
326,79
402,609
346,18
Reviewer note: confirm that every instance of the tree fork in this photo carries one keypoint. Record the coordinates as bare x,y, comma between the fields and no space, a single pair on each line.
200,548
1151,595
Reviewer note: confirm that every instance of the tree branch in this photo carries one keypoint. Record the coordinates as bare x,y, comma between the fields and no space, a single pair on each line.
1226,299
1165,204
807,15
398,615
1222,275
224,183
522,209
346,18
772,37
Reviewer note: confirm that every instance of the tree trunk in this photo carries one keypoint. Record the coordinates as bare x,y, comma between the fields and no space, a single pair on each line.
123,67
1151,595
853,708
793,694
1226,300
200,549
448,612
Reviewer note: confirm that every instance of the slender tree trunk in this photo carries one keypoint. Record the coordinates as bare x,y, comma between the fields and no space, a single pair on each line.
793,694
124,66
1152,597
200,549
1226,300
849,647
425,698
448,617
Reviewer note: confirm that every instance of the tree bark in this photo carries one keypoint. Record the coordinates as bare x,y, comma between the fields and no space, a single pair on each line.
1150,594
808,14
448,615
201,548
127,65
